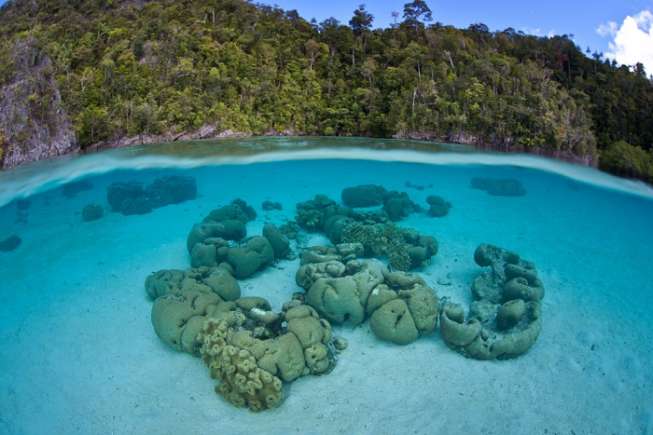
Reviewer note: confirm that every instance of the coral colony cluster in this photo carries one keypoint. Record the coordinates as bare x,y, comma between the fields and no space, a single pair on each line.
364,275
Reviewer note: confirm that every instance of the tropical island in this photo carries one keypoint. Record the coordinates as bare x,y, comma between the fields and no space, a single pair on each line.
84,75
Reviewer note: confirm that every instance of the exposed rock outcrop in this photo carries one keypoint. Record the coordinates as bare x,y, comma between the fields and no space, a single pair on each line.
33,122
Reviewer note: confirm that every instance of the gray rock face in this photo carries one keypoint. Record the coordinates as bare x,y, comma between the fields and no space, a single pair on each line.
33,122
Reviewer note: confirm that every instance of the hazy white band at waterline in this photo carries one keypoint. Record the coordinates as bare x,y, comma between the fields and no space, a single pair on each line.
40,176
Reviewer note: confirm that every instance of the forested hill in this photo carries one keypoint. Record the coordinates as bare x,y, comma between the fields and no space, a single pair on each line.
83,72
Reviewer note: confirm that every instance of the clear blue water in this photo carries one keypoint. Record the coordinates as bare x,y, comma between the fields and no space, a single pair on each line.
79,354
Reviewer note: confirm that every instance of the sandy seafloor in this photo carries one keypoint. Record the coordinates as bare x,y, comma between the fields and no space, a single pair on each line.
79,355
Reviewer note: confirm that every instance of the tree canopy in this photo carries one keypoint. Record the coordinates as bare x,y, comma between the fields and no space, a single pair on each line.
127,68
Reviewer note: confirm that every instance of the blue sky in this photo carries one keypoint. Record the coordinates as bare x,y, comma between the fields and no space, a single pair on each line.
580,18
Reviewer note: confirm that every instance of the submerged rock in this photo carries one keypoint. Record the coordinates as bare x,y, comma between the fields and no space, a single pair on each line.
172,189
499,186
367,195
438,206
398,205
23,204
70,190
128,198
11,243
132,198
271,205
92,212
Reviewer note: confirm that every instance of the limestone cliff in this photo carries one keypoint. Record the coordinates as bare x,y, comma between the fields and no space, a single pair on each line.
33,122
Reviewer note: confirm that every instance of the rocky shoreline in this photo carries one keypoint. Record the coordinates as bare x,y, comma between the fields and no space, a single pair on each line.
213,132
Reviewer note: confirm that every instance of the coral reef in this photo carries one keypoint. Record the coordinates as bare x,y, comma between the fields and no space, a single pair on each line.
405,249
279,242
499,186
177,318
398,205
131,198
438,206
312,214
218,280
291,230
227,222
11,243
92,212
252,350
249,348
253,255
210,243
183,299
252,366
504,319
367,195
348,290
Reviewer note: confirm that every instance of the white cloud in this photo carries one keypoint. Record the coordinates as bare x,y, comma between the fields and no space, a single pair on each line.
607,29
632,42
536,31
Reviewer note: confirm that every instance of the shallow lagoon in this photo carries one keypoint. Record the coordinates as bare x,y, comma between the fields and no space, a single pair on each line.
80,355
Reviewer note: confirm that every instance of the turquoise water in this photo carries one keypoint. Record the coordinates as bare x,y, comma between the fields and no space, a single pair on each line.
79,354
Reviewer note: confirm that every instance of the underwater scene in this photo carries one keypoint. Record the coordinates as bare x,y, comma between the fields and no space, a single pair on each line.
323,286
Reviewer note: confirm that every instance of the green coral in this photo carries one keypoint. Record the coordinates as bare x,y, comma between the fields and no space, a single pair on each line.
279,242
393,322
312,214
345,289
255,254
242,382
218,280
405,249
504,320
252,370
177,318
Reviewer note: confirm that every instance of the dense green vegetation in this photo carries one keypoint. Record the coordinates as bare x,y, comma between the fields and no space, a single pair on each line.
627,160
145,67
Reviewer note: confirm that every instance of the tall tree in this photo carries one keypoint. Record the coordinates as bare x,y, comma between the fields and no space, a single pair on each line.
417,11
361,21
